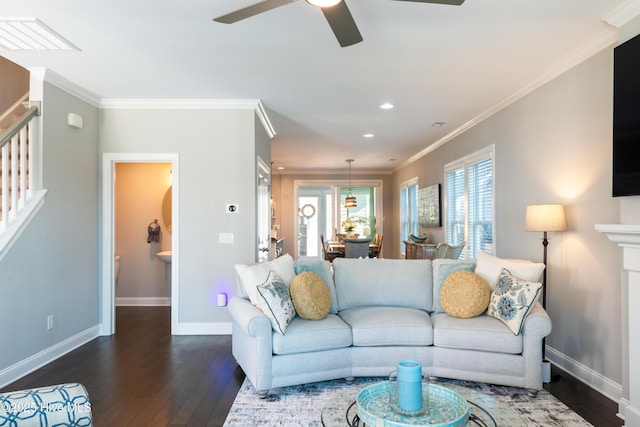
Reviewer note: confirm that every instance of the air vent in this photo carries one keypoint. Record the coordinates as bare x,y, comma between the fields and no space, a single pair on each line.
30,34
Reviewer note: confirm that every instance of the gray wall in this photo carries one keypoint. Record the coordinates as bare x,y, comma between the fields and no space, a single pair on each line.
53,266
554,146
217,150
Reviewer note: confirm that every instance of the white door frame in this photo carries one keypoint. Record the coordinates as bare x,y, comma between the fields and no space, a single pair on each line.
107,283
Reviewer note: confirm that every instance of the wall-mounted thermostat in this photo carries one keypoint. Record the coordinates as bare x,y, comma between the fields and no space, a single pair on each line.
232,208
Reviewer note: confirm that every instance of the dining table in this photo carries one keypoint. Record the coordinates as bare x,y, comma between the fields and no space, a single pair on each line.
336,248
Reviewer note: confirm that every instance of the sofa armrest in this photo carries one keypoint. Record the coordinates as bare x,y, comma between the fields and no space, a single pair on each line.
248,317
251,339
537,323
64,404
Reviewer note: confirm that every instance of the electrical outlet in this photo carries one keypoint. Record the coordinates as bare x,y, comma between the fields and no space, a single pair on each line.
49,322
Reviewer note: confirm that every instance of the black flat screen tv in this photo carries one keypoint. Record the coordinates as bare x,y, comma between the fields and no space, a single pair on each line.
626,118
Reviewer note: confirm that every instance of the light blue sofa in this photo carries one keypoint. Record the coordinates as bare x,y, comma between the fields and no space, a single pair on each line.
384,311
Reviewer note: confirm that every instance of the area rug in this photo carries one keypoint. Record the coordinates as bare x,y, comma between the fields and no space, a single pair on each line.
302,405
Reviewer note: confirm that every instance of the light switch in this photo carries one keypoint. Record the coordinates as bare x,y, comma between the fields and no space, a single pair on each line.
225,238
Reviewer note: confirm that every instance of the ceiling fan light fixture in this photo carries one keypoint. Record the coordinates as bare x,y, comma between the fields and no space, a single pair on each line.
323,3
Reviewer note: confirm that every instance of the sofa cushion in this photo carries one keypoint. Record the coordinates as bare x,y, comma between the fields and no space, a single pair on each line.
489,267
442,268
322,269
380,326
313,335
464,294
256,274
481,333
512,300
383,282
275,302
310,296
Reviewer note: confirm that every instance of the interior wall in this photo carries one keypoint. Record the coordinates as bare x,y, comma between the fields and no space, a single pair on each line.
14,83
217,157
139,191
52,269
554,146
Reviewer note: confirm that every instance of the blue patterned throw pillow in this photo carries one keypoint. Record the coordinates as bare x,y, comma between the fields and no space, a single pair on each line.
56,405
275,302
512,300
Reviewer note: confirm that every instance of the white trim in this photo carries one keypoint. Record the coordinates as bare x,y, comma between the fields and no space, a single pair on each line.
61,83
488,152
107,285
202,328
143,301
593,379
48,355
624,13
15,227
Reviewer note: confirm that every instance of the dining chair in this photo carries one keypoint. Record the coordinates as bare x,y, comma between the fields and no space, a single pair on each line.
375,253
328,255
448,251
453,252
356,248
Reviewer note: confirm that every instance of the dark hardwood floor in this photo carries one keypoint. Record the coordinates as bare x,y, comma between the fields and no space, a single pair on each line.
143,376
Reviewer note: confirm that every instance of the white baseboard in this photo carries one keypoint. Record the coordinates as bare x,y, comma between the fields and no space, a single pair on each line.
38,360
593,379
142,301
202,328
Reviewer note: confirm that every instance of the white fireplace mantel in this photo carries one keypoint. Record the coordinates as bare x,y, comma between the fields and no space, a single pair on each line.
628,237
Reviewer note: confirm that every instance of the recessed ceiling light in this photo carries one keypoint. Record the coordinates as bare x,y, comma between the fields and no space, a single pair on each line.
368,135
280,168
387,106
30,34
392,159
437,124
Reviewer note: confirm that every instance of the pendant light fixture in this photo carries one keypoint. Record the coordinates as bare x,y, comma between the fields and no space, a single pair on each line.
350,200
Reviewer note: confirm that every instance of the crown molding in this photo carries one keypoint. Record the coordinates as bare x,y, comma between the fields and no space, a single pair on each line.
193,104
624,13
599,42
331,172
68,86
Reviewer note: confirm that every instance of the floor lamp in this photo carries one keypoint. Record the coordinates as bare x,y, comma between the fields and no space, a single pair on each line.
545,218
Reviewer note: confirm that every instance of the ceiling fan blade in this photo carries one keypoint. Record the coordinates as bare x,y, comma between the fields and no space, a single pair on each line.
249,11
451,2
342,24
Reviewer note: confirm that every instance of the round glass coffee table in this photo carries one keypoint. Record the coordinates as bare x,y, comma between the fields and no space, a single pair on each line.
486,410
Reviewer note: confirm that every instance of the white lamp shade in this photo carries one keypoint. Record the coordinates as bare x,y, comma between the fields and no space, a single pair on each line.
545,218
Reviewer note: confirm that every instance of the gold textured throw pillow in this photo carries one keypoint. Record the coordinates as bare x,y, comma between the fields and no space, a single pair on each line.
464,294
310,296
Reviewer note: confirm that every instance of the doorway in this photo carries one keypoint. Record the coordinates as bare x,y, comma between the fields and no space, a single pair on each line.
108,291
320,210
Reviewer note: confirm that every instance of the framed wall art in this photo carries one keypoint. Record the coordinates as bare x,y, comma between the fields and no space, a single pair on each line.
429,206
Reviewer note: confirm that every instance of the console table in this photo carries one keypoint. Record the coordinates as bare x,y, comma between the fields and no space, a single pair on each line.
416,250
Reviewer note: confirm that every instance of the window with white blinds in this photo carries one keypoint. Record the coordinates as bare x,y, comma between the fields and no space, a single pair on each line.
469,203
408,211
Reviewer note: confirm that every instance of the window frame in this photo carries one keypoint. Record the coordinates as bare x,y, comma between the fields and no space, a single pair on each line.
412,217
486,153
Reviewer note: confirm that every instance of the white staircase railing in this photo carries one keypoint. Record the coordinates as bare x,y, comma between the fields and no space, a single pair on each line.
16,175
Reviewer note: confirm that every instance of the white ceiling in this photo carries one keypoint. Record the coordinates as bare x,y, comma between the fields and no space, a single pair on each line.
433,62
